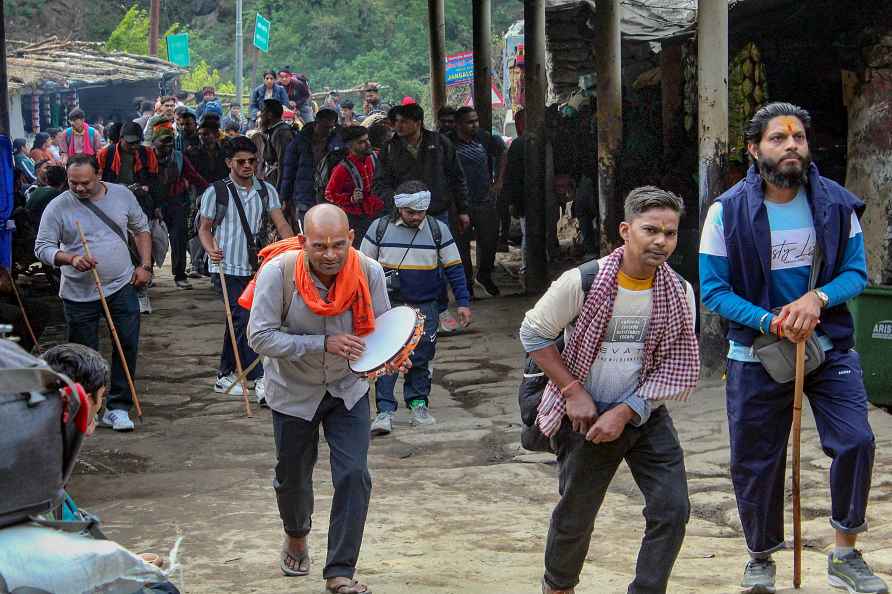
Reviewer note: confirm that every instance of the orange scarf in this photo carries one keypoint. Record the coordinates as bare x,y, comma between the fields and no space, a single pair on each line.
350,289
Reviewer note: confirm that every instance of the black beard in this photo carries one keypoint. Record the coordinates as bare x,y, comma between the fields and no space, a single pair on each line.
772,174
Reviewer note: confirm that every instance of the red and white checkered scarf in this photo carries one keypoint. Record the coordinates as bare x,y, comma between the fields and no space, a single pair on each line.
671,365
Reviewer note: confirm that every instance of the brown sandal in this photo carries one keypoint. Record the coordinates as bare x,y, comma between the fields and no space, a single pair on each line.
348,587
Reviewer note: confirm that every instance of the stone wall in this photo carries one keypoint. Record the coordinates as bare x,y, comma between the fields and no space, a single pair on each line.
869,163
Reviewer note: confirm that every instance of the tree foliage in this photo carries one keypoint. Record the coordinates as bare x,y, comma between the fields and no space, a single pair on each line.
203,75
132,34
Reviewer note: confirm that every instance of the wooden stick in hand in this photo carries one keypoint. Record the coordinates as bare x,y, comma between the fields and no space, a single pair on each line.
796,431
238,359
111,324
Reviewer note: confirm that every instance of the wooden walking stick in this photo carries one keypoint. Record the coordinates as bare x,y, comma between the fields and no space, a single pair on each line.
238,359
15,290
111,325
799,386
242,376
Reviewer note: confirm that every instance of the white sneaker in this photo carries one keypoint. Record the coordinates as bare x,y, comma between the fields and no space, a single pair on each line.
383,424
223,382
145,306
119,420
260,392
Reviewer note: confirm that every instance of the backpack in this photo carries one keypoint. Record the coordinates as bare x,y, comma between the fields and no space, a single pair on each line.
69,134
43,421
532,387
221,197
324,169
434,224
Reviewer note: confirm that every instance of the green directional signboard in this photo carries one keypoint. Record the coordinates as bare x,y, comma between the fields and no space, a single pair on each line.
261,33
178,49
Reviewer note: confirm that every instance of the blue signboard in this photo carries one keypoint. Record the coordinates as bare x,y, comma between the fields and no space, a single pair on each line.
459,69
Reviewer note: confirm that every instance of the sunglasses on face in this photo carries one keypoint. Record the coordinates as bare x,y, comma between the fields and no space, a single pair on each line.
243,162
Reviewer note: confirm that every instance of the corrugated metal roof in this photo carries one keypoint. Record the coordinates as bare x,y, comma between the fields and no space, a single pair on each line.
56,63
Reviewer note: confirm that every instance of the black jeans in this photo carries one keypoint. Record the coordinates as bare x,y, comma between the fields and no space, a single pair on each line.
297,449
657,463
504,209
82,326
175,217
235,285
485,230
360,224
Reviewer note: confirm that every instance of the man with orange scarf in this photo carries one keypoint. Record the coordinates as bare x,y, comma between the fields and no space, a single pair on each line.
308,333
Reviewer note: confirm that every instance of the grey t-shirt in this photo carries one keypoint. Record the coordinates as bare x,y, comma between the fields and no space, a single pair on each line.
58,231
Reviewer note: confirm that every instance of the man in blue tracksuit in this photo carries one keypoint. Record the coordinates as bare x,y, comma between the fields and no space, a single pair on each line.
756,253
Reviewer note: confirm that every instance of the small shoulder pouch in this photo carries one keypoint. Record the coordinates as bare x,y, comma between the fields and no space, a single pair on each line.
778,355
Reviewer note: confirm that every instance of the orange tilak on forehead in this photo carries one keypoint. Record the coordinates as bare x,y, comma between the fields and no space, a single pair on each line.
789,123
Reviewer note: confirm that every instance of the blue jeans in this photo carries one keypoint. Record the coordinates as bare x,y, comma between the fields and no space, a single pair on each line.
82,326
306,112
417,382
235,285
760,413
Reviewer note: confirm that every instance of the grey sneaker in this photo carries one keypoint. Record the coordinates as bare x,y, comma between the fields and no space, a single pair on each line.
758,577
851,573
383,424
420,414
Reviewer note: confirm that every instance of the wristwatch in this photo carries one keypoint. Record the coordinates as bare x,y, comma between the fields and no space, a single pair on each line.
148,268
823,297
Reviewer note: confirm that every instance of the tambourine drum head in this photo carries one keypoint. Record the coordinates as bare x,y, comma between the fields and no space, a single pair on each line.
393,329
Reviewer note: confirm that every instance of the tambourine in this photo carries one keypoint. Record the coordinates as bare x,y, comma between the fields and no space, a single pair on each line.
396,334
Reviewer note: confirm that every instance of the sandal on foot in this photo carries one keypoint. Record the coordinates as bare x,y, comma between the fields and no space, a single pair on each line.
295,565
347,587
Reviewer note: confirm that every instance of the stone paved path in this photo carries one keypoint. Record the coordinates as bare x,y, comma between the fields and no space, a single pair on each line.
457,508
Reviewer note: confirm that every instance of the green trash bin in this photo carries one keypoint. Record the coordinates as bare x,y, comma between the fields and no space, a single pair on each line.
872,311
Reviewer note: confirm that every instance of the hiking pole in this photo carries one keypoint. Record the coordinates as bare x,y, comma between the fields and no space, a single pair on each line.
111,325
243,375
15,290
799,386
238,359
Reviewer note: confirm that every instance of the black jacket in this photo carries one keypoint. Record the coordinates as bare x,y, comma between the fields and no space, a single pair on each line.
436,166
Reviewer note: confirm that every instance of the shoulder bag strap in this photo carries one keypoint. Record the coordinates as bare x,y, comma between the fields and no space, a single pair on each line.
246,228
111,225
816,262
289,262
381,229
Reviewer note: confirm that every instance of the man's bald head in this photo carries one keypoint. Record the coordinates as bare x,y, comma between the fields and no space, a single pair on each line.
328,239
326,219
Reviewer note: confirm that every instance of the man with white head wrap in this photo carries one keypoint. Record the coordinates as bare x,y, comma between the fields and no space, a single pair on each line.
416,251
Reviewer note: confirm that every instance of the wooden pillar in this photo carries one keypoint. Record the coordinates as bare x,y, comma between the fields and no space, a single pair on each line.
436,17
154,26
483,62
608,55
712,114
536,275
672,95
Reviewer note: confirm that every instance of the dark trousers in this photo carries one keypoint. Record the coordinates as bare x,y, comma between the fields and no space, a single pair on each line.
591,235
359,224
82,326
760,413
656,460
235,285
485,230
504,217
297,449
175,217
416,381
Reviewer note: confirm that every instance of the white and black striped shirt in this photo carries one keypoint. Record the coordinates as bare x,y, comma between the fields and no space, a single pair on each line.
229,235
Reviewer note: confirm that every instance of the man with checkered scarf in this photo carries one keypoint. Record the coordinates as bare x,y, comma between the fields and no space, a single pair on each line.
630,344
